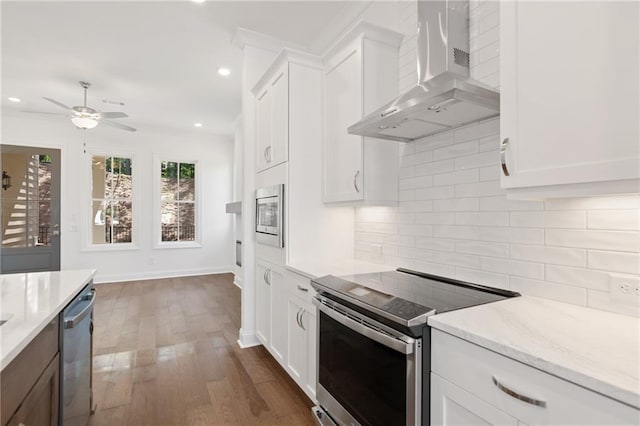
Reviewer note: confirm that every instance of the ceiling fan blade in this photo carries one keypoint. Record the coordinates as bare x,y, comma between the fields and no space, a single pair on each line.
113,114
45,113
53,101
118,125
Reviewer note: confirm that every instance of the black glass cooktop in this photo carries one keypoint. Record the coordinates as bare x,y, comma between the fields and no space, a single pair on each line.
406,297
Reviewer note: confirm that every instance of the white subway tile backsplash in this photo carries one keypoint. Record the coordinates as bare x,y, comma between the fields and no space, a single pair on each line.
461,176
419,230
594,239
483,219
439,244
593,203
559,292
513,267
545,219
578,277
435,193
552,255
454,220
434,168
480,189
482,277
614,261
483,248
457,150
489,158
435,218
457,232
614,219
456,205
512,235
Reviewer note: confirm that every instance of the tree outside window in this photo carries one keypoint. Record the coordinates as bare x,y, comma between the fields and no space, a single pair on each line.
111,200
178,201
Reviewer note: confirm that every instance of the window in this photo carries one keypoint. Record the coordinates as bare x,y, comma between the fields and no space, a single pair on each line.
177,201
111,200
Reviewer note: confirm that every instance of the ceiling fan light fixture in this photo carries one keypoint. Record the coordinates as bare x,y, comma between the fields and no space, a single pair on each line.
84,122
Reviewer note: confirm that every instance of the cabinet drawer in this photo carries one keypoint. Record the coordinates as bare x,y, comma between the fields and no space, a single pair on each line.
300,287
23,372
499,380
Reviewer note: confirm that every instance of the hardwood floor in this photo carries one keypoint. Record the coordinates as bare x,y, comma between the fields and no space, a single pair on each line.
165,353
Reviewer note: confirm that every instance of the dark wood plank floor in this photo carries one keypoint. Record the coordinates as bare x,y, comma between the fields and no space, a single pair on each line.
165,353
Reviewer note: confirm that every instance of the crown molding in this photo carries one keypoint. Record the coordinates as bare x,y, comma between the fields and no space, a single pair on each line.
244,37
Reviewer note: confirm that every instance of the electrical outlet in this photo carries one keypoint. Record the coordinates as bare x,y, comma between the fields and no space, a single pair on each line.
625,288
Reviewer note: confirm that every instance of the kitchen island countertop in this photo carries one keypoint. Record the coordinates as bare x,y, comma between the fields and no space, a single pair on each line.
595,349
29,301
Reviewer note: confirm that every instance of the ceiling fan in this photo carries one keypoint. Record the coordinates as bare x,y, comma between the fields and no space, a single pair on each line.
84,117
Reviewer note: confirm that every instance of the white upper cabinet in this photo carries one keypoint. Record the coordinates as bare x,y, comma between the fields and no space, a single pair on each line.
569,97
361,75
272,117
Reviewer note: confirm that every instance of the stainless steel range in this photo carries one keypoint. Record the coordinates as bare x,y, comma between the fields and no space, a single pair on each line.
374,343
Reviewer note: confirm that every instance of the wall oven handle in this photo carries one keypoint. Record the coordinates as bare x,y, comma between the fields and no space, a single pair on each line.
390,342
71,322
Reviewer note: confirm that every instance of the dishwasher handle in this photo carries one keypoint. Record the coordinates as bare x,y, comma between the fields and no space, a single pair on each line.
73,321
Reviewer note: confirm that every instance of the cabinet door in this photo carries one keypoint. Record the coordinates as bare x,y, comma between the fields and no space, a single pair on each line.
342,162
40,406
263,303
279,90
278,344
569,96
453,406
263,129
296,336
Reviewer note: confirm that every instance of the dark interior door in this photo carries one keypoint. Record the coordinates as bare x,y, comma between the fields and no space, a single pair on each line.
30,228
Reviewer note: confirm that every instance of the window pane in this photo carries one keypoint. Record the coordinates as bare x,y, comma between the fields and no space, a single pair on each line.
121,221
14,222
187,221
169,181
98,177
32,223
100,230
187,181
121,182
44,177
44,224
169,221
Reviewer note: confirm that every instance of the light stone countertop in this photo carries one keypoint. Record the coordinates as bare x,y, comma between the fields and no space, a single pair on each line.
594,349
314,269
30,301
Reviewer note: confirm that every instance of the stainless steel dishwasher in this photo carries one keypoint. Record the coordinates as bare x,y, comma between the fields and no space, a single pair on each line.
76,351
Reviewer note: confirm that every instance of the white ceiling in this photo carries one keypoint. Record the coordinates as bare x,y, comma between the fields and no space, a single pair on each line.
159,58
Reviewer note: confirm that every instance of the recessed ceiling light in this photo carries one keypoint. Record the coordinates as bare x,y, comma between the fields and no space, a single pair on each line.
14,99
197,124
198,1
225,72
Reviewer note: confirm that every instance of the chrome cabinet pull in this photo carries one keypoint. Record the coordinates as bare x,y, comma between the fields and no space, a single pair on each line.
503,156
302,288
355,181
298,317
516,395
269,154
301,323
266,276
266,156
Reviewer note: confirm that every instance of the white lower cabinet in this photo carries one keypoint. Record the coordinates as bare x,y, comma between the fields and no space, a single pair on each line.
263,303
471,385
278,343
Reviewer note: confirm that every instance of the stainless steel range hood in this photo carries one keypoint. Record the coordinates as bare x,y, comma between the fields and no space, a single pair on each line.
445,97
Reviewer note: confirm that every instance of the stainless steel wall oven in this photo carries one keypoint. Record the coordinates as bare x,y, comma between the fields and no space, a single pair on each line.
374,343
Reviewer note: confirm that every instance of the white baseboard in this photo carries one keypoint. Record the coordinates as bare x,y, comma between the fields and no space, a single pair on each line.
237,281
153,275
248,339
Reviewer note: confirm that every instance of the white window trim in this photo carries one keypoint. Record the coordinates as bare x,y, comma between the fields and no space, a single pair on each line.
87,211
158,158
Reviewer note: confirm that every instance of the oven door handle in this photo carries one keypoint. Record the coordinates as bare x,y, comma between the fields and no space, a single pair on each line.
388,341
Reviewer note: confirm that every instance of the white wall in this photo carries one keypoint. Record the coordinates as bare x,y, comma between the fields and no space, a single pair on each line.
454,220
216,162
238,185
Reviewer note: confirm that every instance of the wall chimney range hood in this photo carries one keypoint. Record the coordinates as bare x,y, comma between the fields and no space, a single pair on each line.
445,97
